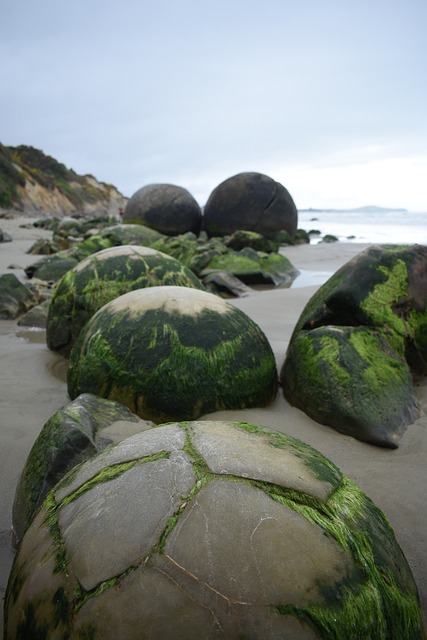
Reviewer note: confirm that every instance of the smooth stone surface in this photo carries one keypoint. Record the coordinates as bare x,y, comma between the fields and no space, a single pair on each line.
131,532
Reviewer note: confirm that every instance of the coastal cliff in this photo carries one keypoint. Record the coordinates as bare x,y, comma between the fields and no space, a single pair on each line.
34,183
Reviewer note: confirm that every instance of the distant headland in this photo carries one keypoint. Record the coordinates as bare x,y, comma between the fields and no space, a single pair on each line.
367,209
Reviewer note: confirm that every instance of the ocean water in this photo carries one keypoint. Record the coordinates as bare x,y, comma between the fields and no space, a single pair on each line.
379,227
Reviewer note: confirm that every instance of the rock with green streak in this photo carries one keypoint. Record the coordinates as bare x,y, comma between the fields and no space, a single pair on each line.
242,238
72,435
131,234
173,353
15,297
102,277
254,267
212,530
360,342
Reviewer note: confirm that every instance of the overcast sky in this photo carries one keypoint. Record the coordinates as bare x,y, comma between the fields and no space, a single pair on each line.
328,97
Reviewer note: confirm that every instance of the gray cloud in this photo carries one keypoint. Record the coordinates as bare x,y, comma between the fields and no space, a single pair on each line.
192,92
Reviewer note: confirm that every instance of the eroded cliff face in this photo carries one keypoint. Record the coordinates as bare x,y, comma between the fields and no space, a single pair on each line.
36,199
36,184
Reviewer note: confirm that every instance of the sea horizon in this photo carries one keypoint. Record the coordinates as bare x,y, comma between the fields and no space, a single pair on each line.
377,226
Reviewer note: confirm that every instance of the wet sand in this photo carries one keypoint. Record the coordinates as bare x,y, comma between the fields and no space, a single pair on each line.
33,388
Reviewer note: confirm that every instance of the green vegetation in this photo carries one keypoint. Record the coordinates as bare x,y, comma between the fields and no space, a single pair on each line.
10,178
38,168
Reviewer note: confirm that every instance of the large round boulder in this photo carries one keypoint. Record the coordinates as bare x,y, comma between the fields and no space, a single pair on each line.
252,202
210,530
358,344
166,208
173,353
101,277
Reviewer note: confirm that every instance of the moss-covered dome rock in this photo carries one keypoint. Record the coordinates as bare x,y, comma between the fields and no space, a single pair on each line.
358,344
210,530
102,277
173,353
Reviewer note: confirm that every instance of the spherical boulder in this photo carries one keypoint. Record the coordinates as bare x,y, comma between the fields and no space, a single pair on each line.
210,530
173,353
359,343
164,207
101,277
252,202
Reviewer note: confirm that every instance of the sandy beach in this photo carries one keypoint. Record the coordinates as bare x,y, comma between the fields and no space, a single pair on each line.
33,388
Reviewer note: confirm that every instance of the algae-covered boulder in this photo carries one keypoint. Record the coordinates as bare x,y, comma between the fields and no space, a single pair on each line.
241,239
250,201
167,208
359,342
131,234
173,353
102,277
253,267
210,530
72,435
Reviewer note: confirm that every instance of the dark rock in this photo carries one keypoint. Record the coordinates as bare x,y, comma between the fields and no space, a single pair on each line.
329,238
43,246
72,435
167,208
250,201
241,239
15,297
358,343
221,282
51,268
35,317
301,237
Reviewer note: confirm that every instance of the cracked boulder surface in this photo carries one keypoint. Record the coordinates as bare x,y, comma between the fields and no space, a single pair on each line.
173,353
250,201
360,344
167,208
100,278
210,529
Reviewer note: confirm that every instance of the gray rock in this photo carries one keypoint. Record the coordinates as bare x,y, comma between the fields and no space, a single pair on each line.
15,297
253,202
167,208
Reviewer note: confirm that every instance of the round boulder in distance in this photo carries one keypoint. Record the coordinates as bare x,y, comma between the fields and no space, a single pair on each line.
101,277
173,353
210,530
252,202
166,208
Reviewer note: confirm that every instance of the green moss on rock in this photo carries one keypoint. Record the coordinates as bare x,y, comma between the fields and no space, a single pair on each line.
100,278
358,342
173,353
351,581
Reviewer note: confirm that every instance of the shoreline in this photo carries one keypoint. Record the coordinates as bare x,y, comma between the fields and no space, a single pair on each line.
33,388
